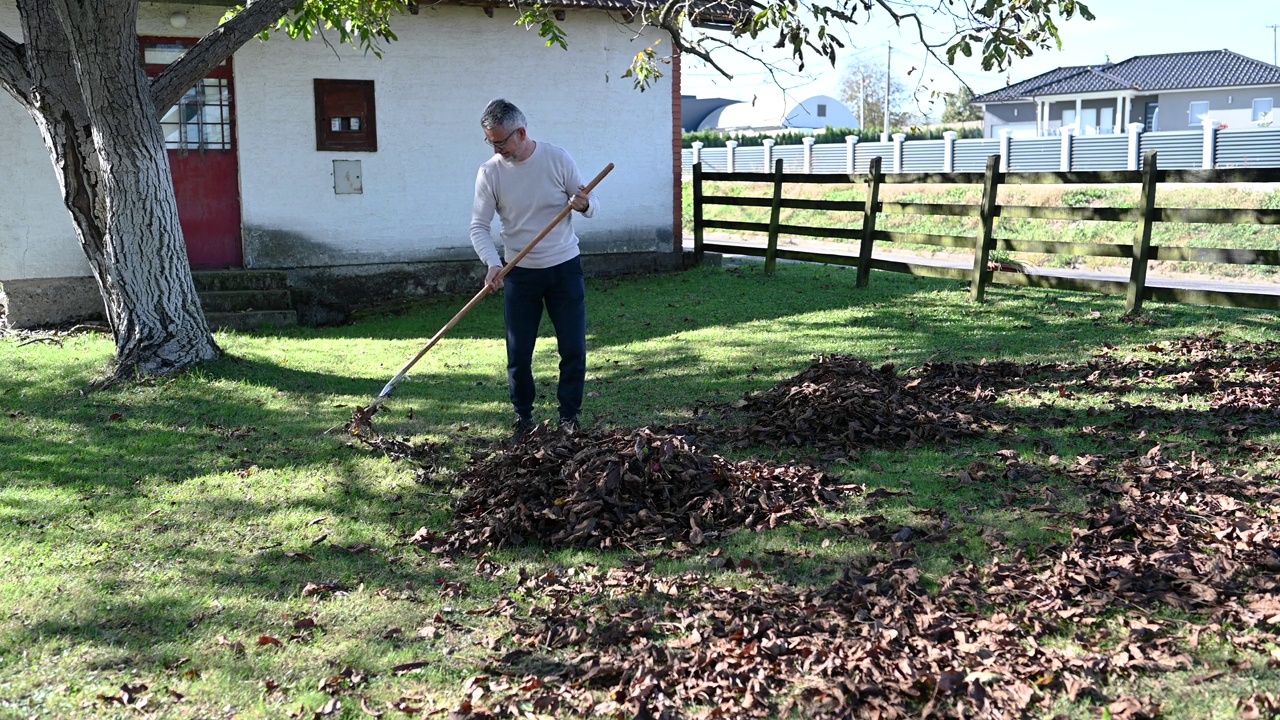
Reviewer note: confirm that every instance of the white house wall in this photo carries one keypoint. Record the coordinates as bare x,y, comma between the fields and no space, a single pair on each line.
1233,107
36,239
430,88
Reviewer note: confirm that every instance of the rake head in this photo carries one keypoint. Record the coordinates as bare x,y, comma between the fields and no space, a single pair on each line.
361,424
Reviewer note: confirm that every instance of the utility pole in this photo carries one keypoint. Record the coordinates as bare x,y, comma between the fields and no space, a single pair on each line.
887,75
1273,44
862,101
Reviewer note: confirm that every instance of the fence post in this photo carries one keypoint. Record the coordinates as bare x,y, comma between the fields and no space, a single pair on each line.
768,153
808,154
730,146
1006,141
697,213
1210,143
850,150
1135,145
697,152
1142,243
874,176
1064,163
775,219
985,240
898,139
949,151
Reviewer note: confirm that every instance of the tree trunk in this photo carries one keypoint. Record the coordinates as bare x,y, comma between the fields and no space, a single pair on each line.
92,102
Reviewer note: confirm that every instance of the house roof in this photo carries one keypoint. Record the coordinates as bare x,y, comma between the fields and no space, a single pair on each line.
1145,73
1022,90
716,12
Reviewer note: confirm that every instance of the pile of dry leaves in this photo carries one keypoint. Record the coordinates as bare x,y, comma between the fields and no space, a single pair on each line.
608,489
880,643
1007,638
841,404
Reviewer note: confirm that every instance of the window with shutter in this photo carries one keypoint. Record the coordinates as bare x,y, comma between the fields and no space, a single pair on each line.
345,116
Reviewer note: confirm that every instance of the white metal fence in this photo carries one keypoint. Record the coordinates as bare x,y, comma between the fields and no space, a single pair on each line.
1211,147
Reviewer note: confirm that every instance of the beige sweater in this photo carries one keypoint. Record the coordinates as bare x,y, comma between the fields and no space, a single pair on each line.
527,195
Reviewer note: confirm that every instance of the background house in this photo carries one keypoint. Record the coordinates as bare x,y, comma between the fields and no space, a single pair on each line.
1172,91
355,174
762,117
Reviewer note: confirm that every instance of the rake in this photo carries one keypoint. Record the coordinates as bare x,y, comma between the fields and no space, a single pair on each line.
362,419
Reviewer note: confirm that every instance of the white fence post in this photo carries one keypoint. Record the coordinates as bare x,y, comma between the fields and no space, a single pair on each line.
850,149
729,148
1135,145
949,151
898,139
1064,163
1210,143
697,152
1006,141
768,154
808,154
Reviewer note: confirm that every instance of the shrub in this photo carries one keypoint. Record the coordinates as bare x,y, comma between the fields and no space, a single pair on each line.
716,138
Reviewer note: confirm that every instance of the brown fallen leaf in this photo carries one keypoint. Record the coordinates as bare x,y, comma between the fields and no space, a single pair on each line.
312,589
364,706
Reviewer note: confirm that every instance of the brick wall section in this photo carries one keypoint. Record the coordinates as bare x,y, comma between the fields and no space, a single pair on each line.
677,203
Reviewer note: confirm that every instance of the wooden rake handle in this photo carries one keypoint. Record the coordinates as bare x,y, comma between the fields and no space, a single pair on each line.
485,291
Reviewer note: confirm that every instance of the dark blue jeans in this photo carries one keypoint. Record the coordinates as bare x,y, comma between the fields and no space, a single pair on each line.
563,292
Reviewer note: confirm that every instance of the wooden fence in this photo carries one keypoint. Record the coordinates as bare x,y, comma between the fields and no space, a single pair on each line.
1141,251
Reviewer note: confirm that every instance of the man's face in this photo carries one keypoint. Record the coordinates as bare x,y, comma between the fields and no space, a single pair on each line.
507,143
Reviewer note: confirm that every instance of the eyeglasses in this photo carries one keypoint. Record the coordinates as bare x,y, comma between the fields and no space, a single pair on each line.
495,144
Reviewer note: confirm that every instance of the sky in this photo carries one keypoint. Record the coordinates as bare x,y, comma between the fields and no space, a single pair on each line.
1122,29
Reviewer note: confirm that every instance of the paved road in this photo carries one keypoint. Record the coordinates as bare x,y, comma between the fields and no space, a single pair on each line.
962,262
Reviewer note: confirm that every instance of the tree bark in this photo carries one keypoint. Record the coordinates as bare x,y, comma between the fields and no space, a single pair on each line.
167,88
91,101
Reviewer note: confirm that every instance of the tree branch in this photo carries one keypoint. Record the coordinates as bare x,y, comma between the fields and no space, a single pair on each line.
14,77
167,88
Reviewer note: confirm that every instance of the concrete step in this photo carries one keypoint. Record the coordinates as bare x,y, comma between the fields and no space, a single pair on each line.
245,300
239,280
252,320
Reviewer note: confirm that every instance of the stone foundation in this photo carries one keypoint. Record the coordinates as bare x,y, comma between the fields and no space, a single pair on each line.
322,295
371,286
49,301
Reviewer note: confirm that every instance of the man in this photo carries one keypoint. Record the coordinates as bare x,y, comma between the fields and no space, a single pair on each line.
527,183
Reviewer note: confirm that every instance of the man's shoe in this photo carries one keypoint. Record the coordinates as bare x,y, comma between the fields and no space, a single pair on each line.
568,426
521,431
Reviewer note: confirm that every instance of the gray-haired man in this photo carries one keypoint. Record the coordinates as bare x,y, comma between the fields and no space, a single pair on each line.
527,183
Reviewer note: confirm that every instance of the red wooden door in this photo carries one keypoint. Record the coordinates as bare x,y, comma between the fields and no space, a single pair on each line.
200,137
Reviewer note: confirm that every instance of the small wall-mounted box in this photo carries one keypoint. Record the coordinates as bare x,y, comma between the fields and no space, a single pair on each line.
347,178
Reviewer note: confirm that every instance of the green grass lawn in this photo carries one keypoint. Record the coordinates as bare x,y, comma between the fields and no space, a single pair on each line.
163,533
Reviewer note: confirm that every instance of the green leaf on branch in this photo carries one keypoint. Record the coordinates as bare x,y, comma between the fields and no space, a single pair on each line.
365,24
644,70
547,26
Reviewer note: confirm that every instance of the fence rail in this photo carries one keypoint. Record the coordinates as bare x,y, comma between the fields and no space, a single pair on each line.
1211,147
1141,252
